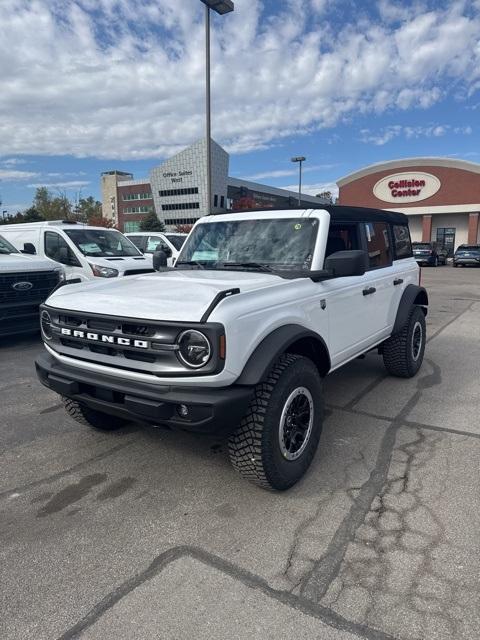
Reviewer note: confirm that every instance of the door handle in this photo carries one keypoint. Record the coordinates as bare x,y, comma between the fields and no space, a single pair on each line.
397,281
368,291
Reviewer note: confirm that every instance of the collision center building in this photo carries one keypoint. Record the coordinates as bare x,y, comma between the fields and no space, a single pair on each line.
441,196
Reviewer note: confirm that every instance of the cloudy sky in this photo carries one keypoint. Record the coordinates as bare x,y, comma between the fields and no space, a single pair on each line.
93,85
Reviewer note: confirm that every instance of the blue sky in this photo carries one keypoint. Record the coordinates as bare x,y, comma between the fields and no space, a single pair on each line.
93,85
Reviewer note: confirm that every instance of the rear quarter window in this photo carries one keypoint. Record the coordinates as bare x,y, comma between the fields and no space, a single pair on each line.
378,244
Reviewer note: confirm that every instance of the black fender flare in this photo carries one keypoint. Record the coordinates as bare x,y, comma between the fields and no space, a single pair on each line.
279,341
412,295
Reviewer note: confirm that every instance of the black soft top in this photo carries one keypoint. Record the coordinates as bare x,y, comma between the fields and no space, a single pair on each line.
338,212
364,214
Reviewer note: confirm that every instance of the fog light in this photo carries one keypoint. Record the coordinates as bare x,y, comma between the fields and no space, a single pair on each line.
183,410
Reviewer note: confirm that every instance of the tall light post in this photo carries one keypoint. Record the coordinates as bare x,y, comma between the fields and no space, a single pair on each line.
299,159
221,7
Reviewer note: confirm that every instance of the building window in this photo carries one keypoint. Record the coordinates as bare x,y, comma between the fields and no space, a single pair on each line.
131,227
137,196
180,205
190,191
215,200
222,202
141,209
378,244
177,221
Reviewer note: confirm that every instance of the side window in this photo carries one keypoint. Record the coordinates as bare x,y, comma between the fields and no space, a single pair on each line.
378,244
57,249
342,236
403,244
137,241
153,242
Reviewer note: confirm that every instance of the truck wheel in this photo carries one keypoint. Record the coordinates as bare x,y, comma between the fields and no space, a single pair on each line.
87,416
403,352
277,439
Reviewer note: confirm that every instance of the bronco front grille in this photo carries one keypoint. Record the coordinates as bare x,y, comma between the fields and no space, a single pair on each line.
139,345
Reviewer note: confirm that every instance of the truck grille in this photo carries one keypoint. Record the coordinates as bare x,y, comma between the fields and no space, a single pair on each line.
144,346
42,284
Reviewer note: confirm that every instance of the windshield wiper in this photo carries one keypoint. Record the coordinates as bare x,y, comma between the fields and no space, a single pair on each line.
191,263
249,265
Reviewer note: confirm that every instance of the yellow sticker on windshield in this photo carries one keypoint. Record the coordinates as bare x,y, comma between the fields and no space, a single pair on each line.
297,227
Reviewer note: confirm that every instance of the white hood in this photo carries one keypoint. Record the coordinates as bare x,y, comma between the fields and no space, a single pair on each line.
178,295
123,263
12,262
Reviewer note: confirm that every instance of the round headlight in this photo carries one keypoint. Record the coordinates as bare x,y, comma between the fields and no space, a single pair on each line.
194,348
46,324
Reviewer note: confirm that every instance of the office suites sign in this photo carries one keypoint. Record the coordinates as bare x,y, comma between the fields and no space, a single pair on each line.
408,186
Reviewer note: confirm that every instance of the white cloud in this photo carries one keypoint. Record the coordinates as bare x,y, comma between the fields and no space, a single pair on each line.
383,136
283,173
129,82
313,189
72,184
12,162
13,175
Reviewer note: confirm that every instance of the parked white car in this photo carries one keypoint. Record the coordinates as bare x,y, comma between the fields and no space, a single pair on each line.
236,338
25,282
85,252
149,242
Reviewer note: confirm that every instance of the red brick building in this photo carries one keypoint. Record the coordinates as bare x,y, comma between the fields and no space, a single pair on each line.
440,195
126,201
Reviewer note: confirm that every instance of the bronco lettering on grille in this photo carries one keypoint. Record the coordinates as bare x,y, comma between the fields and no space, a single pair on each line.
98,337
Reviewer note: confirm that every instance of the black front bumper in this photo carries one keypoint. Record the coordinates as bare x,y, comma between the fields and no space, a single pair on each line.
19,318
210,410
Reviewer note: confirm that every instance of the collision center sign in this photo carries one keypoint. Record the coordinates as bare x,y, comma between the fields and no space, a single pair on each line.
409,186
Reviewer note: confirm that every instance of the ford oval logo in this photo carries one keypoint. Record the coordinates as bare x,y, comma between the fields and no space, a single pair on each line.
22,286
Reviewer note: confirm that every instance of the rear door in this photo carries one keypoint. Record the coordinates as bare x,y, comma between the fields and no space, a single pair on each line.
380,289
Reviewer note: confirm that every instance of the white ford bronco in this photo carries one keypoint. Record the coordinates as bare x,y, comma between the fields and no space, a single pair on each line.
236,338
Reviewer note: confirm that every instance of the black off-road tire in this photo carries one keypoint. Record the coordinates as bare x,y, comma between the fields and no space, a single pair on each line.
254,447
90,417
399,350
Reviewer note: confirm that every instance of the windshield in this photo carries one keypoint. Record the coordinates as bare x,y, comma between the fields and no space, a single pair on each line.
6,247
176,239
470,247
102,244
282,243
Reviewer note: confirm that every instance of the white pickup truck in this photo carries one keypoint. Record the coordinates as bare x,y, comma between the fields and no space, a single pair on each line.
237,337
25,282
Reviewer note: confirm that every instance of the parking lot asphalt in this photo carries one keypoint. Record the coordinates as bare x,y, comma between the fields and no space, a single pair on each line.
147,533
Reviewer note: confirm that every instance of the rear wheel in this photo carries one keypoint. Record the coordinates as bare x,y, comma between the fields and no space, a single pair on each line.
90,417
277,439
403,352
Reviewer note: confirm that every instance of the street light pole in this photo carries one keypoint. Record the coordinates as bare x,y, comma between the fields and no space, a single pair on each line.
208,109
300,160
221,7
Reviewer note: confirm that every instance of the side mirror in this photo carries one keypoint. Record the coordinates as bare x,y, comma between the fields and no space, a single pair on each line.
166,250
29,248
159,260
347,263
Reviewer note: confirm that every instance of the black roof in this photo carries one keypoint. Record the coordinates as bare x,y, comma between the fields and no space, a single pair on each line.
361,214
340,212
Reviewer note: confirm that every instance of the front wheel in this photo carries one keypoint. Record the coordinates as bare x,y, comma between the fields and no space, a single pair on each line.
87,416
403,352
277,439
